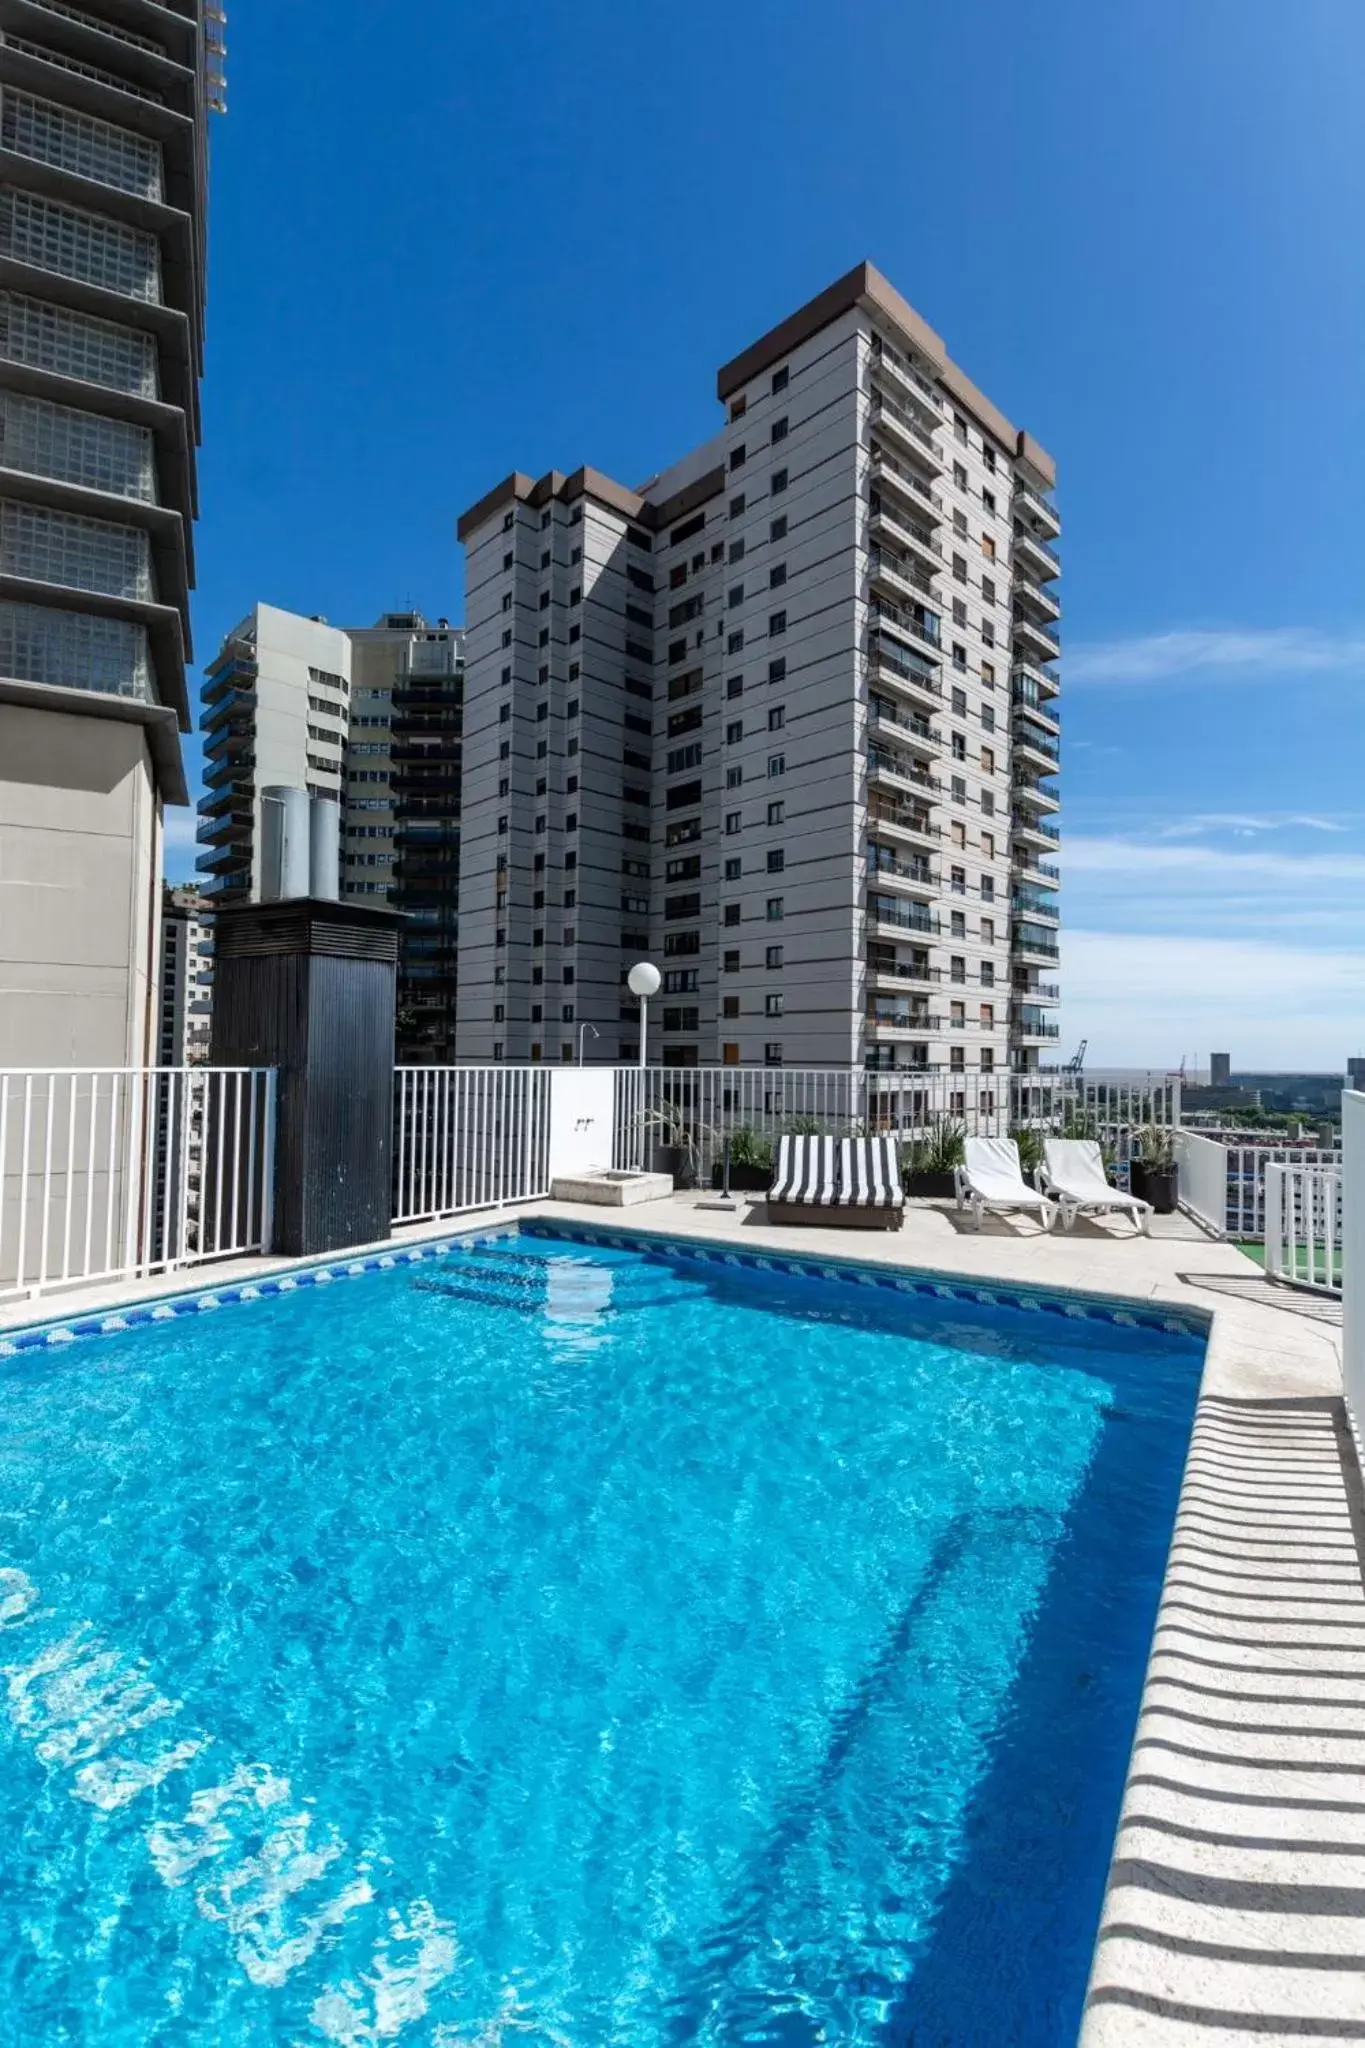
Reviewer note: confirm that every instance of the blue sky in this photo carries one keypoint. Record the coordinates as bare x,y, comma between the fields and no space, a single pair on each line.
463,239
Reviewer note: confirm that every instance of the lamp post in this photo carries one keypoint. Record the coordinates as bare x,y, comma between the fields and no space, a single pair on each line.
581,1029
643,981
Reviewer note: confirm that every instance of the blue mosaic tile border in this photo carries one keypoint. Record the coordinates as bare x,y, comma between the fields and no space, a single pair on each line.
110,1322
1112,1309
936,1286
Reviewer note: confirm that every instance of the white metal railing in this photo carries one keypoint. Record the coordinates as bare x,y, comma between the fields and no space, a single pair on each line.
1202,1180
119,1172
1303,1225
1247,1166
1224,1186
698,1108
1353,1259
469,1138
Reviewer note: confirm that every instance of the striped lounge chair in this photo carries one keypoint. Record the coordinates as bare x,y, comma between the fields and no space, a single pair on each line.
852,1183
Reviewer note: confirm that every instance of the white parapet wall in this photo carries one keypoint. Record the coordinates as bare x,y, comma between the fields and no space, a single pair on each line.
582,1106
1353,1259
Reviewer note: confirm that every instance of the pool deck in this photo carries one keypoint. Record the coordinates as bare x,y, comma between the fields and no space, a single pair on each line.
1236,1901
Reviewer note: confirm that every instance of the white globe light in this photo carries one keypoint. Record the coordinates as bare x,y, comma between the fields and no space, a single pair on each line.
644,979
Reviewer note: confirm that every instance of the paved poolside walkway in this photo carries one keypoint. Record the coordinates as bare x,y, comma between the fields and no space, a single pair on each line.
1236,1902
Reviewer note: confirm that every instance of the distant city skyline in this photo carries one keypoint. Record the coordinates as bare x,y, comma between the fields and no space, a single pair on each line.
1161,282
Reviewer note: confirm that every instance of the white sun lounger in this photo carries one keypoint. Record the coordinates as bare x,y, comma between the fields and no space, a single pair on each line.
1073,1173
990,1177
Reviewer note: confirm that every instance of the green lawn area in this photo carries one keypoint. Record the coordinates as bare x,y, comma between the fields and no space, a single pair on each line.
1255,1251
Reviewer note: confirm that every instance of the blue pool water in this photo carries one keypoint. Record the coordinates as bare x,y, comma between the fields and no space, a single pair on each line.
563,1645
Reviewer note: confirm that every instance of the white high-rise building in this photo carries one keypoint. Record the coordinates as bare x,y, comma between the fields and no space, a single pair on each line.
276,707
186,978
781,719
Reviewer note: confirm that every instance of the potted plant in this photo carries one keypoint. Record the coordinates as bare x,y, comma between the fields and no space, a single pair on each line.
751,1162
675,1148
1029,1139
928,1161
1152,1172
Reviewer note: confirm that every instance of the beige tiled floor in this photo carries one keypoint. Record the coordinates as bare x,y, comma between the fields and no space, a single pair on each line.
1236,1905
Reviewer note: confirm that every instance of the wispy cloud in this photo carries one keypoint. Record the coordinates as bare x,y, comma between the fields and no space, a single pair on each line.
1236,653
1245,823
1145,1000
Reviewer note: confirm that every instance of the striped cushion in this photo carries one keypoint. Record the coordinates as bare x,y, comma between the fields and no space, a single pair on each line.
869,1174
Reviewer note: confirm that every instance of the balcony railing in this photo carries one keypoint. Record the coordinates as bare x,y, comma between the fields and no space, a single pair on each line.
889,657
1044,945
905,916
1028,697
902,970
891,1018
893,764
1049,554
1024,624
924,625
882,406
918,728
1028,500
881,562
883,460
1033,1024
1026,735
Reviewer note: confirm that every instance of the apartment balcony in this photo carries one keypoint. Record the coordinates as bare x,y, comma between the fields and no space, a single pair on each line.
1033,831
228,796
893,669
896,917
908,387
1035,511
900,578
234,767
1032,676
1030,867
889,525
903,729
897,426
236,676
1031,796
905,824
1034,556
1030,1027
1034,749
1036,991
890,1023
889,473
1036,903
1037,603
1033,640
1034,947
893,771
1041,712
905,878
886,978
916,630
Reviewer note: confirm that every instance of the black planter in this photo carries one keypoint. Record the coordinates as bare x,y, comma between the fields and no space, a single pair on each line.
1155,1184
674,1159
745,1178
930,1183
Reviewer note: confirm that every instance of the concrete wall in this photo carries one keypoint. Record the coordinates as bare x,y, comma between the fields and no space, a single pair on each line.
80,882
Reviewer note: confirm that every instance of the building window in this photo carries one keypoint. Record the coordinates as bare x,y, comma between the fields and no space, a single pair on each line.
729,1006
779,482
733,868
777,670
777,861
780,429
733,822
775,909
777,623
772,1053
737,506
777,717
773,956
780,378
960,568
735,643
777,575
777,765
772,1004
778,529
730,963
737,457
731,913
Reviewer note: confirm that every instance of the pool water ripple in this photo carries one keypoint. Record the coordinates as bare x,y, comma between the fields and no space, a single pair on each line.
568,1645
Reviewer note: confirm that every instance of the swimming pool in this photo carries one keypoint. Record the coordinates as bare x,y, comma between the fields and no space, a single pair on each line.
564,1640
